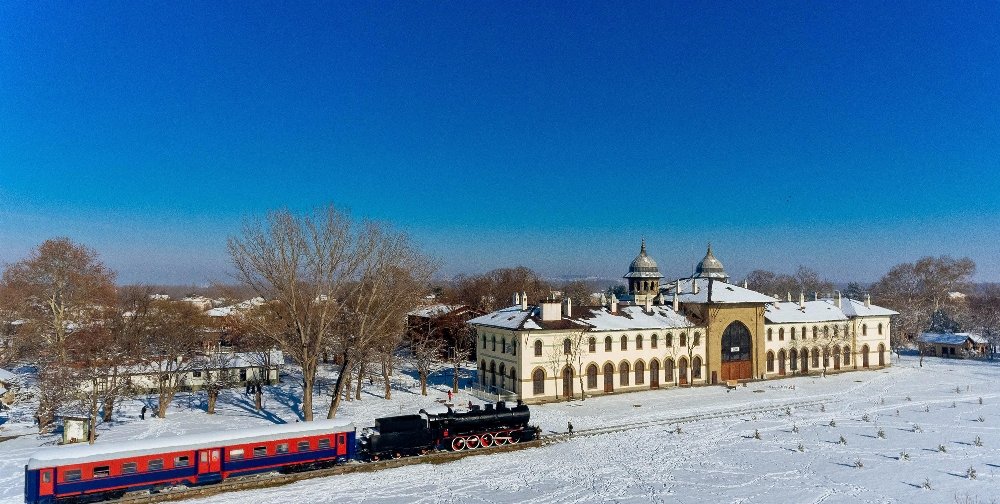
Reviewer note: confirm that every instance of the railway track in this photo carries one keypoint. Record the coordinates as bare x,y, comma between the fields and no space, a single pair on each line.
274,479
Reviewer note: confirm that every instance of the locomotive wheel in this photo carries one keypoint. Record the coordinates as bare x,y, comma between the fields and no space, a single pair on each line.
515,437
501,438
472,442
458,444
486,440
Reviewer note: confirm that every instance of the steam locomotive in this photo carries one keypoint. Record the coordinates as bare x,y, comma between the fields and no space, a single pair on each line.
101,471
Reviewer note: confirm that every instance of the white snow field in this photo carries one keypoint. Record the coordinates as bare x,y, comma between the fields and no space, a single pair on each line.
715,458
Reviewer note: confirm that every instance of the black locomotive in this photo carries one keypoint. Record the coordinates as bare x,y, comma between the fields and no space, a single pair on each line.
404,435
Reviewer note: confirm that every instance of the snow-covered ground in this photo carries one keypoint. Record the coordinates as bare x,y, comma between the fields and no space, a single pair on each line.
714,458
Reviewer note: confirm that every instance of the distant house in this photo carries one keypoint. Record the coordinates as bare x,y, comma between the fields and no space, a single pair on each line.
962,345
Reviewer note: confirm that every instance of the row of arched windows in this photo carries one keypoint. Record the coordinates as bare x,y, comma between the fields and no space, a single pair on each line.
623,343
816,331
504,346
805,359
626,374
497,376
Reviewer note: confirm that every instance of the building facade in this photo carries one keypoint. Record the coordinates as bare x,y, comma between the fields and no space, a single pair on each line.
692,331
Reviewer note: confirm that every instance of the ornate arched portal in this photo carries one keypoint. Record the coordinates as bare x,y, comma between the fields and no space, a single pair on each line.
737,363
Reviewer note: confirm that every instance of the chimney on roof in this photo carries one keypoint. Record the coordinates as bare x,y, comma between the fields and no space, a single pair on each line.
745,285
815,296
517,299
802,299
676,306
659,299
613,305
788,295
868,300
551,310
567,307
604,299
838,298
649,304
524,300
694,286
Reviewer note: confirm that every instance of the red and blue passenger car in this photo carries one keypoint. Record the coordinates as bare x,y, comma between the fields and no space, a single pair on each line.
81,472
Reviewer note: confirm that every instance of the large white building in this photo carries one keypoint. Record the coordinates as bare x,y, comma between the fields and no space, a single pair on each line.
698,330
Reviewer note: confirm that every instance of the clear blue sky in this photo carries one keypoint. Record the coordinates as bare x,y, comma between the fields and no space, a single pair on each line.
843,137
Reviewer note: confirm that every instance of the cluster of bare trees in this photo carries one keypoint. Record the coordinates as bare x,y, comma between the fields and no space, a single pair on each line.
336,290
61,312
804,280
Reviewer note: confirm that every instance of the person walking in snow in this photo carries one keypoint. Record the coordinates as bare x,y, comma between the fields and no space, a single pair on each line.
142,413
449,396
569,427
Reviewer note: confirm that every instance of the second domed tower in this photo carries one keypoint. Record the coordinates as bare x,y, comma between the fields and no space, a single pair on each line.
643,275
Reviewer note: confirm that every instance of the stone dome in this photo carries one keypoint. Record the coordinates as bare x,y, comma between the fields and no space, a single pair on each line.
710,267
643,266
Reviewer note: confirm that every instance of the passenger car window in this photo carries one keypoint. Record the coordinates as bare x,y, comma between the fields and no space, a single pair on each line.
155,465
72,475
236,454
182,461
129,468
102,471
324,444
260,451
303,446
282,448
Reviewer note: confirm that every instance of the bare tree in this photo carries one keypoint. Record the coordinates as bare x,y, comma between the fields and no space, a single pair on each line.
804,280
303,264
916,290
173,342
392,277
492,290
217,373
426,350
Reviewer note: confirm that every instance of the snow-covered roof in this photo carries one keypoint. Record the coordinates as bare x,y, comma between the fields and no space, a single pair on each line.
82,453
240,307
855,308
631,317
950,338
598,318
512,317
7,376
434,310
786,312
721,292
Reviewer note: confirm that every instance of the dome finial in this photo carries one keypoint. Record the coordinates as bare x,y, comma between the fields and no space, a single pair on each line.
642,249
709,248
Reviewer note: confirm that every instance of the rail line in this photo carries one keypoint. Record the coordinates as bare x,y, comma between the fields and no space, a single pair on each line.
274,479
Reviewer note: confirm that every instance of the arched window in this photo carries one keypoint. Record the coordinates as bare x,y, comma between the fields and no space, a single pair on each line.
826,358
668,370
513,347
670,340
782,358
494,340
864,356
567,346
697,339
493,373
484,342
538,381
638,342
623,370
502,372
482,372
847,355
696,368
836,331
607,343
503,345
793,334
640,372
769,335
815,354
815,332
592,376
624,342
805,360
592,345
781,334
538,348
653,341
793,360
826,331
654,373
881,354
684,339
513,380
880,329
770,361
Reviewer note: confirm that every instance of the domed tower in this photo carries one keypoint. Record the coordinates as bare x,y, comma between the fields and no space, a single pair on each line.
643,276
710,267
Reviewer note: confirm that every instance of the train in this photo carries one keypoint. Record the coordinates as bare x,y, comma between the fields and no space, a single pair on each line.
89,473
